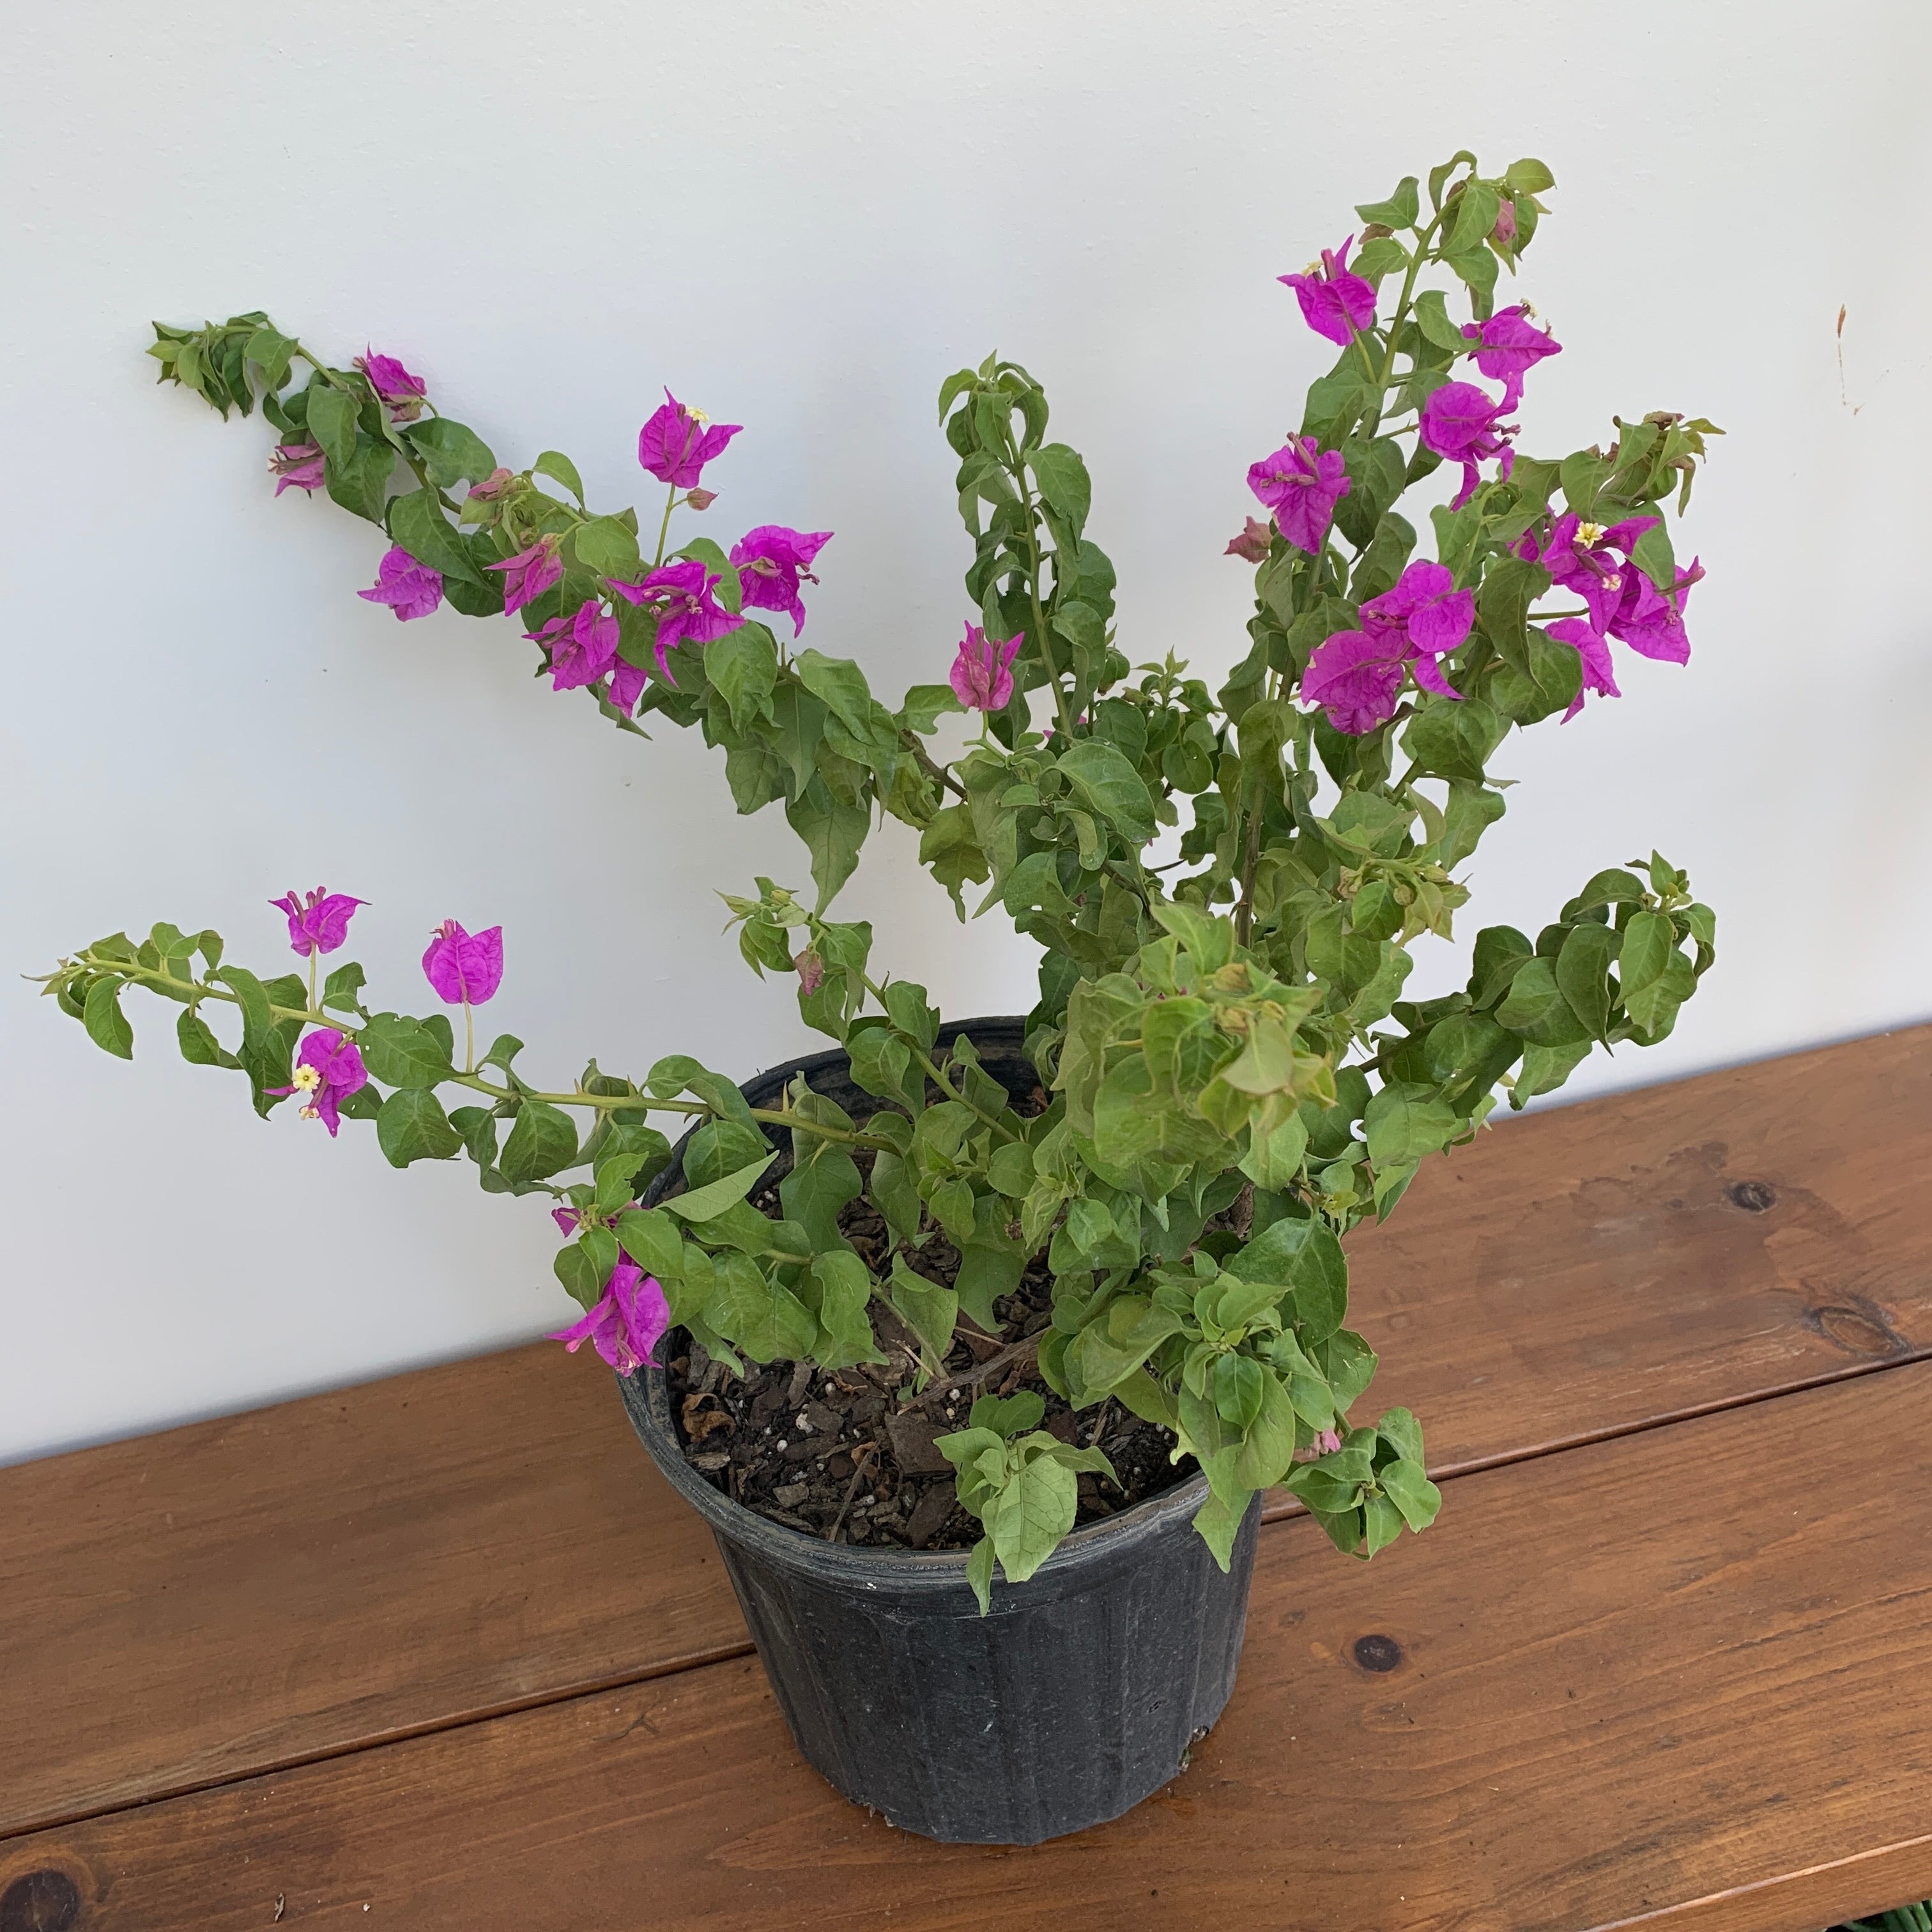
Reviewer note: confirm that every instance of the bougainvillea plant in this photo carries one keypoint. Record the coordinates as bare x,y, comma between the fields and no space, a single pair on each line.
1225,886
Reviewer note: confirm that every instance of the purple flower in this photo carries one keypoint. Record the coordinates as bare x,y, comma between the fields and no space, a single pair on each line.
1301,483
493,485
1590,560
771,560
627,686
626,1322
319,923
1356,676
1651,623
327,1071
528,574
1334,303
686,609
402,393
582,646
983,673
1508,348
299,466
410,589
465,968
1460,422
1326,1442
1253,542
1595,652
674,445
1433,617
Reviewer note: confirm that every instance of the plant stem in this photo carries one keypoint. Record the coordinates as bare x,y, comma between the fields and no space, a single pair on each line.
663,527
1059,699
982,1371
191,993
933,1073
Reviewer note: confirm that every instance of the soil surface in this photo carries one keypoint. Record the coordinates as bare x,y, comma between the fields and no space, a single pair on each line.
848,1455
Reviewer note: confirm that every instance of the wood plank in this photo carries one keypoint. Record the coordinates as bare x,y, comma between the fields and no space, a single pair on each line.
215,1601
1652,1254
1676,1680
198,1604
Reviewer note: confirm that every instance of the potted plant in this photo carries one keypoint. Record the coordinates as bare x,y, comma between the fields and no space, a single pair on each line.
976,1344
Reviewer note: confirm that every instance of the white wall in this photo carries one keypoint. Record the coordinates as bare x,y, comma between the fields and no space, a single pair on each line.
802,216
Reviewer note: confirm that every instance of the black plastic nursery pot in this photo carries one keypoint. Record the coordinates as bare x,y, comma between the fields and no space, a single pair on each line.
1075,1698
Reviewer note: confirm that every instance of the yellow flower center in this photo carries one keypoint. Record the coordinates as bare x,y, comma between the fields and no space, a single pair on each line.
307,1079
696,415
1590,533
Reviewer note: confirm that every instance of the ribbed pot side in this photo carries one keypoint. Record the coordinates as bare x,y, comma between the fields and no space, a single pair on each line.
1076,1697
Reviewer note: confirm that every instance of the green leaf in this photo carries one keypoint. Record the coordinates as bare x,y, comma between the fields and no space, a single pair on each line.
403,1052
833,833
608,547
1401,208
1107,784
767,1321
331,422
1063,481
1306,1257
1398,1428
1218,1522
554,463
342,990
932,1312
198,1045
1236,1388
1527,176
1009,1415
541,1141
1431,317
839,684
1453,740
577,1265
1032,1511
706,1203
1583,974
1405,1122
361,485
1511,585
412,1126
417,522
1535,1009
451,453
107,1025
838,1291
650,1237
979,1570
1411,1491
743,666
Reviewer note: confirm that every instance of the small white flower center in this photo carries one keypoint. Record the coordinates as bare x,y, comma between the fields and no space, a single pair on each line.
1590,533
310,1113
696,415
307,1079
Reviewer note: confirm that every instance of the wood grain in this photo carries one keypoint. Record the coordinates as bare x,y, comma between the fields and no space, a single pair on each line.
1596,1268
202,1603
1678,1679
216,1600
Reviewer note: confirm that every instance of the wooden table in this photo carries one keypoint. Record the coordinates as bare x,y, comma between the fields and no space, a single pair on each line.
443,1653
